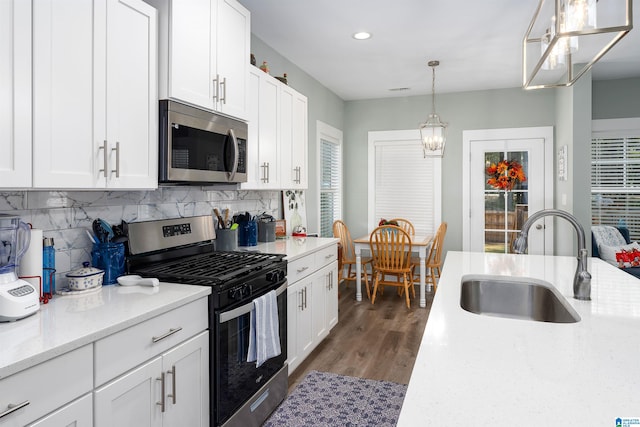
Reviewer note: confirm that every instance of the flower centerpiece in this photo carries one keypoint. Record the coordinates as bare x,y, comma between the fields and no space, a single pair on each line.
385,222
505,174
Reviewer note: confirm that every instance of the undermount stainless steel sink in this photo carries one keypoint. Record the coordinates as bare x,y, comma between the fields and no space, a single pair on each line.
515,298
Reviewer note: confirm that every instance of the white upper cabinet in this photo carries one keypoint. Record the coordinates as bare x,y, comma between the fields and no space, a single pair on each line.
277,153
95,94
204,53
15,93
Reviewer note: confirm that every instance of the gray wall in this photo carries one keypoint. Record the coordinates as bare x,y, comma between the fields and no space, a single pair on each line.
616,99
492,109
324,105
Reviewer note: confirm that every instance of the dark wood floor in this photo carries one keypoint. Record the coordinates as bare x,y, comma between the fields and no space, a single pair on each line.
378,341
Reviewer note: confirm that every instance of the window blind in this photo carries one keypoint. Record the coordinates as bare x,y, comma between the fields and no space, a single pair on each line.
405,184
615,180
330,186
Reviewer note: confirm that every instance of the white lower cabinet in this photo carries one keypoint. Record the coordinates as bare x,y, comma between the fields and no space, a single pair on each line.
169,390
78,413
46,388
312,302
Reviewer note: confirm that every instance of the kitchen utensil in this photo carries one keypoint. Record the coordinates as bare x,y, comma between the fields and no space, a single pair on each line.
134,279
102,230
18,298
221,223
85,277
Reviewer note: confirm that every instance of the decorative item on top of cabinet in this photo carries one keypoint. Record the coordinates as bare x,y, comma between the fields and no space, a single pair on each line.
204,46
265,67
283,79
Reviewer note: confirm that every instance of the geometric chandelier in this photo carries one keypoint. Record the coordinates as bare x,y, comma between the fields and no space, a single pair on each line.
433,132
566,37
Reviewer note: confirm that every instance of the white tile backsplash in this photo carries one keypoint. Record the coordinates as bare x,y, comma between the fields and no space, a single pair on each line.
65,215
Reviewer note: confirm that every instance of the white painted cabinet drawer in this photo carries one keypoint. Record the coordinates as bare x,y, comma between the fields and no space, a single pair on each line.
122,351
326,256
300,268
45,387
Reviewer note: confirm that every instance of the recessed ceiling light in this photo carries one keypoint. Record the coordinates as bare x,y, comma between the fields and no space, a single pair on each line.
363,35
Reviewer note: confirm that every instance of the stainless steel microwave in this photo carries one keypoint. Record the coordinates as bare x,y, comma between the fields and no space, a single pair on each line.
200,147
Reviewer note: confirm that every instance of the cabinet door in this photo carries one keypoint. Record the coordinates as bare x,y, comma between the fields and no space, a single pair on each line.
300,142
287,174
186,369
191,59
132,99
64,58
299,322
15,93
253,140
331,296
132,400
325,302
268,128
78,414
232,50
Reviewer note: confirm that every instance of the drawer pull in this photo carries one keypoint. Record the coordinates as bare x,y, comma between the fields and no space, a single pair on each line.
163,336
300,270
328,256
12,408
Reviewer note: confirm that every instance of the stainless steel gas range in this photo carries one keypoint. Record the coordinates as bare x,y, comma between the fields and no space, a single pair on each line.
181,251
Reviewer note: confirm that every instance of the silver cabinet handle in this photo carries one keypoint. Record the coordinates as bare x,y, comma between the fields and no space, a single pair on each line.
12,408
162,402
265,172
172,372
298,174
305,297
268,171
300,270
328,256
166,334
117,169
105,162
216,88
223,99
301,300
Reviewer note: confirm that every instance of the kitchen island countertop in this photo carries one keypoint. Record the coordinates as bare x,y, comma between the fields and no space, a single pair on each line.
479,370
69,322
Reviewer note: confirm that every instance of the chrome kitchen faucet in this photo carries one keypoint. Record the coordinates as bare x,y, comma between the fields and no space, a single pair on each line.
582,278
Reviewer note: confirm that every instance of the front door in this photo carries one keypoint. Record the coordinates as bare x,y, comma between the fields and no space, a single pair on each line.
508,179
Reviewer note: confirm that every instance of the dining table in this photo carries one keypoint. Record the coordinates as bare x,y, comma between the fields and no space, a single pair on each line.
420,244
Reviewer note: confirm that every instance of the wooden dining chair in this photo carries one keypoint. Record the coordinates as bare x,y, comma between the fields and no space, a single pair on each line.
391,249
341,231
406,225
434,259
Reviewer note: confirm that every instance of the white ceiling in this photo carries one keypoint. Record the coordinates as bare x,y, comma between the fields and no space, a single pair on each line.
478,43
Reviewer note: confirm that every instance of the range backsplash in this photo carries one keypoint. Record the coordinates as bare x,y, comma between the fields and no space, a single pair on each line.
65,215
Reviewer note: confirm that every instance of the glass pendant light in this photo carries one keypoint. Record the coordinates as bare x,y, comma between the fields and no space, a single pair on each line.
433,131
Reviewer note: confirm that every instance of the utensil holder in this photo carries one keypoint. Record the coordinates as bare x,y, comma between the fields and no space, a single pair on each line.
226,239
248,234
267,231
110,258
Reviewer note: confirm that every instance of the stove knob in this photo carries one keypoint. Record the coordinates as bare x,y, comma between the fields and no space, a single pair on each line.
246,290
282,275
235,293
270,276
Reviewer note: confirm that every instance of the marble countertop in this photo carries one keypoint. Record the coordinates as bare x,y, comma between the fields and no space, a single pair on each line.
487,371
293,247
69,322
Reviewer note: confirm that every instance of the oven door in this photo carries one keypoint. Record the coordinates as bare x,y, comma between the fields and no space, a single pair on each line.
235,380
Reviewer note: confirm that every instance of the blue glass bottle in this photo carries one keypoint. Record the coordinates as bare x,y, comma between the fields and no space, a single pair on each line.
48,267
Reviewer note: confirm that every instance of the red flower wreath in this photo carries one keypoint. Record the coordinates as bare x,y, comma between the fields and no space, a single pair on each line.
505,174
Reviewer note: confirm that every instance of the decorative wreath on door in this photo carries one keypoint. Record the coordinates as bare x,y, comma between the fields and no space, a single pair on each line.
505,174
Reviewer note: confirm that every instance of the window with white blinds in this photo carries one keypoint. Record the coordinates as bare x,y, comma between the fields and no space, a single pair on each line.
615,179
330,186
406,184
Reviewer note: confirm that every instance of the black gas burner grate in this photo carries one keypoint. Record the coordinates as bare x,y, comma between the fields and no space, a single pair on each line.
211,268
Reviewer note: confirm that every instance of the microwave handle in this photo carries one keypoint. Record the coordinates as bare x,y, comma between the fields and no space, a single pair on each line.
236,154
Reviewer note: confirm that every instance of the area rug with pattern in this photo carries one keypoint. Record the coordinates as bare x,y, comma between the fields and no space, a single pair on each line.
327,399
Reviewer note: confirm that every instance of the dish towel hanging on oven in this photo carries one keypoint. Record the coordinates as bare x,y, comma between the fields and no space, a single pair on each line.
264,335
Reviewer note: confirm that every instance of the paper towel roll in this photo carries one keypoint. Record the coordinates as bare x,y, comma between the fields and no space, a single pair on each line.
31,262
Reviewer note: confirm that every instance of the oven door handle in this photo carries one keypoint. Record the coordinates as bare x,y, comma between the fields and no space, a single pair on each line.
236,155
237,312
